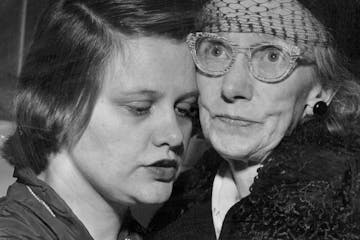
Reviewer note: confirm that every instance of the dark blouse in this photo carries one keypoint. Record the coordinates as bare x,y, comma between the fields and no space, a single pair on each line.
33,210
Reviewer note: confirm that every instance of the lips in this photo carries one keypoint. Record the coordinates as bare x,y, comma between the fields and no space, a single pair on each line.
227,118
234,120
164,170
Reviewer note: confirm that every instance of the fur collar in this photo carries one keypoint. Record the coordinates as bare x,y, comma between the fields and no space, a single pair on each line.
308,188
311,153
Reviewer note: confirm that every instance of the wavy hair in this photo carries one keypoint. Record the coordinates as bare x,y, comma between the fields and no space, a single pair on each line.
61,78
341,20
344,109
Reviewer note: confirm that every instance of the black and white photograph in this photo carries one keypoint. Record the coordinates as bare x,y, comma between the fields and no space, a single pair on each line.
180,119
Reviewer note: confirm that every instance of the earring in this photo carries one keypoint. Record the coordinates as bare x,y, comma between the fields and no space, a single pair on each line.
320,108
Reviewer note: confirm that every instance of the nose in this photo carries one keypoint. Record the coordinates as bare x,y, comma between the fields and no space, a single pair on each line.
168,133
237,83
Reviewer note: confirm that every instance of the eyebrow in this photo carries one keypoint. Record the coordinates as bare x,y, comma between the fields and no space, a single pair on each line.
150,93
155,94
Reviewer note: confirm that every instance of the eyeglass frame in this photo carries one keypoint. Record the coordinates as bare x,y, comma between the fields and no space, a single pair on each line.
293,51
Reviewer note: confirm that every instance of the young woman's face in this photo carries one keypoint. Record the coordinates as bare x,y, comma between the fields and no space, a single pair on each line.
141,123
245,118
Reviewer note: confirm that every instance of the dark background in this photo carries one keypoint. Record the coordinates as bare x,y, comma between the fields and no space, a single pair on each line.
18,19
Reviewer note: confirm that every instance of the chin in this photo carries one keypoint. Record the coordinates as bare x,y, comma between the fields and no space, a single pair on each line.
232,147
158,192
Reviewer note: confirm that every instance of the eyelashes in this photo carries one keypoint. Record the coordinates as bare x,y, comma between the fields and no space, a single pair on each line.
189,111
139,108
182,109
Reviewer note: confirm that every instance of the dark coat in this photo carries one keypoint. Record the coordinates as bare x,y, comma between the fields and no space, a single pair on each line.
42,214
307,189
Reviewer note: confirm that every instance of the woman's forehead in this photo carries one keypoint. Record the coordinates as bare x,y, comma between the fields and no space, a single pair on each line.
285,19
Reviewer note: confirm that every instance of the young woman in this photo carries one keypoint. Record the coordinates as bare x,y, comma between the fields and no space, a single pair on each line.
104,114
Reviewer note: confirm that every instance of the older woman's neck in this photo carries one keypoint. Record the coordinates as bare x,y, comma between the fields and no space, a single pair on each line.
102,220
243,174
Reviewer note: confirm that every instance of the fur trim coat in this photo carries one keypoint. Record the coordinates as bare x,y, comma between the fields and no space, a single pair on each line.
308,188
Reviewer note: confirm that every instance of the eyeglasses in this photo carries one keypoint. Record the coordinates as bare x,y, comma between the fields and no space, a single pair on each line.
215,55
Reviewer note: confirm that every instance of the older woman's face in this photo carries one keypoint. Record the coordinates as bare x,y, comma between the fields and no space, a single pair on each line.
245,118
141,123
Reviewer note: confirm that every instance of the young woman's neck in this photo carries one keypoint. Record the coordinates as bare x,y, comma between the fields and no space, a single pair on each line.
102,220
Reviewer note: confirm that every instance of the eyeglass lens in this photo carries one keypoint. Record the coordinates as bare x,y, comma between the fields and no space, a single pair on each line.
266,61
213,54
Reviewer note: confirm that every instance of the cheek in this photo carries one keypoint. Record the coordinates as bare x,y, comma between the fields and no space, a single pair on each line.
279,118
109,135
104,155
285,98
204,121
105,131
283,110
291,94
275,128
186,127
209,88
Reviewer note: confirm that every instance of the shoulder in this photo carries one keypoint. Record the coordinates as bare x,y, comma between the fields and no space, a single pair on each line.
316,167
299,210
308,188
18,220
313,154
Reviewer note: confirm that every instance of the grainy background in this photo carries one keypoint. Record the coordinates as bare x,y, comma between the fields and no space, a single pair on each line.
18,19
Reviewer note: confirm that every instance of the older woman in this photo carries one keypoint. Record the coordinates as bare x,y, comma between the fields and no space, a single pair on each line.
282,112
104,114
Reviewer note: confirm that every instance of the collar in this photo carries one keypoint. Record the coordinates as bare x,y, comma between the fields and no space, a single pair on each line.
225,193
47,205
44,192
52,209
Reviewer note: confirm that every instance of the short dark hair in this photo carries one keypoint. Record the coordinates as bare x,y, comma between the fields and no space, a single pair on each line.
59,83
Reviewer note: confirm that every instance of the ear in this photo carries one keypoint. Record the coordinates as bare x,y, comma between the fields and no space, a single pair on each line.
317,93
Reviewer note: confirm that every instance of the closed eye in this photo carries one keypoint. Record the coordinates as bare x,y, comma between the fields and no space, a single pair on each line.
139,108
186,110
